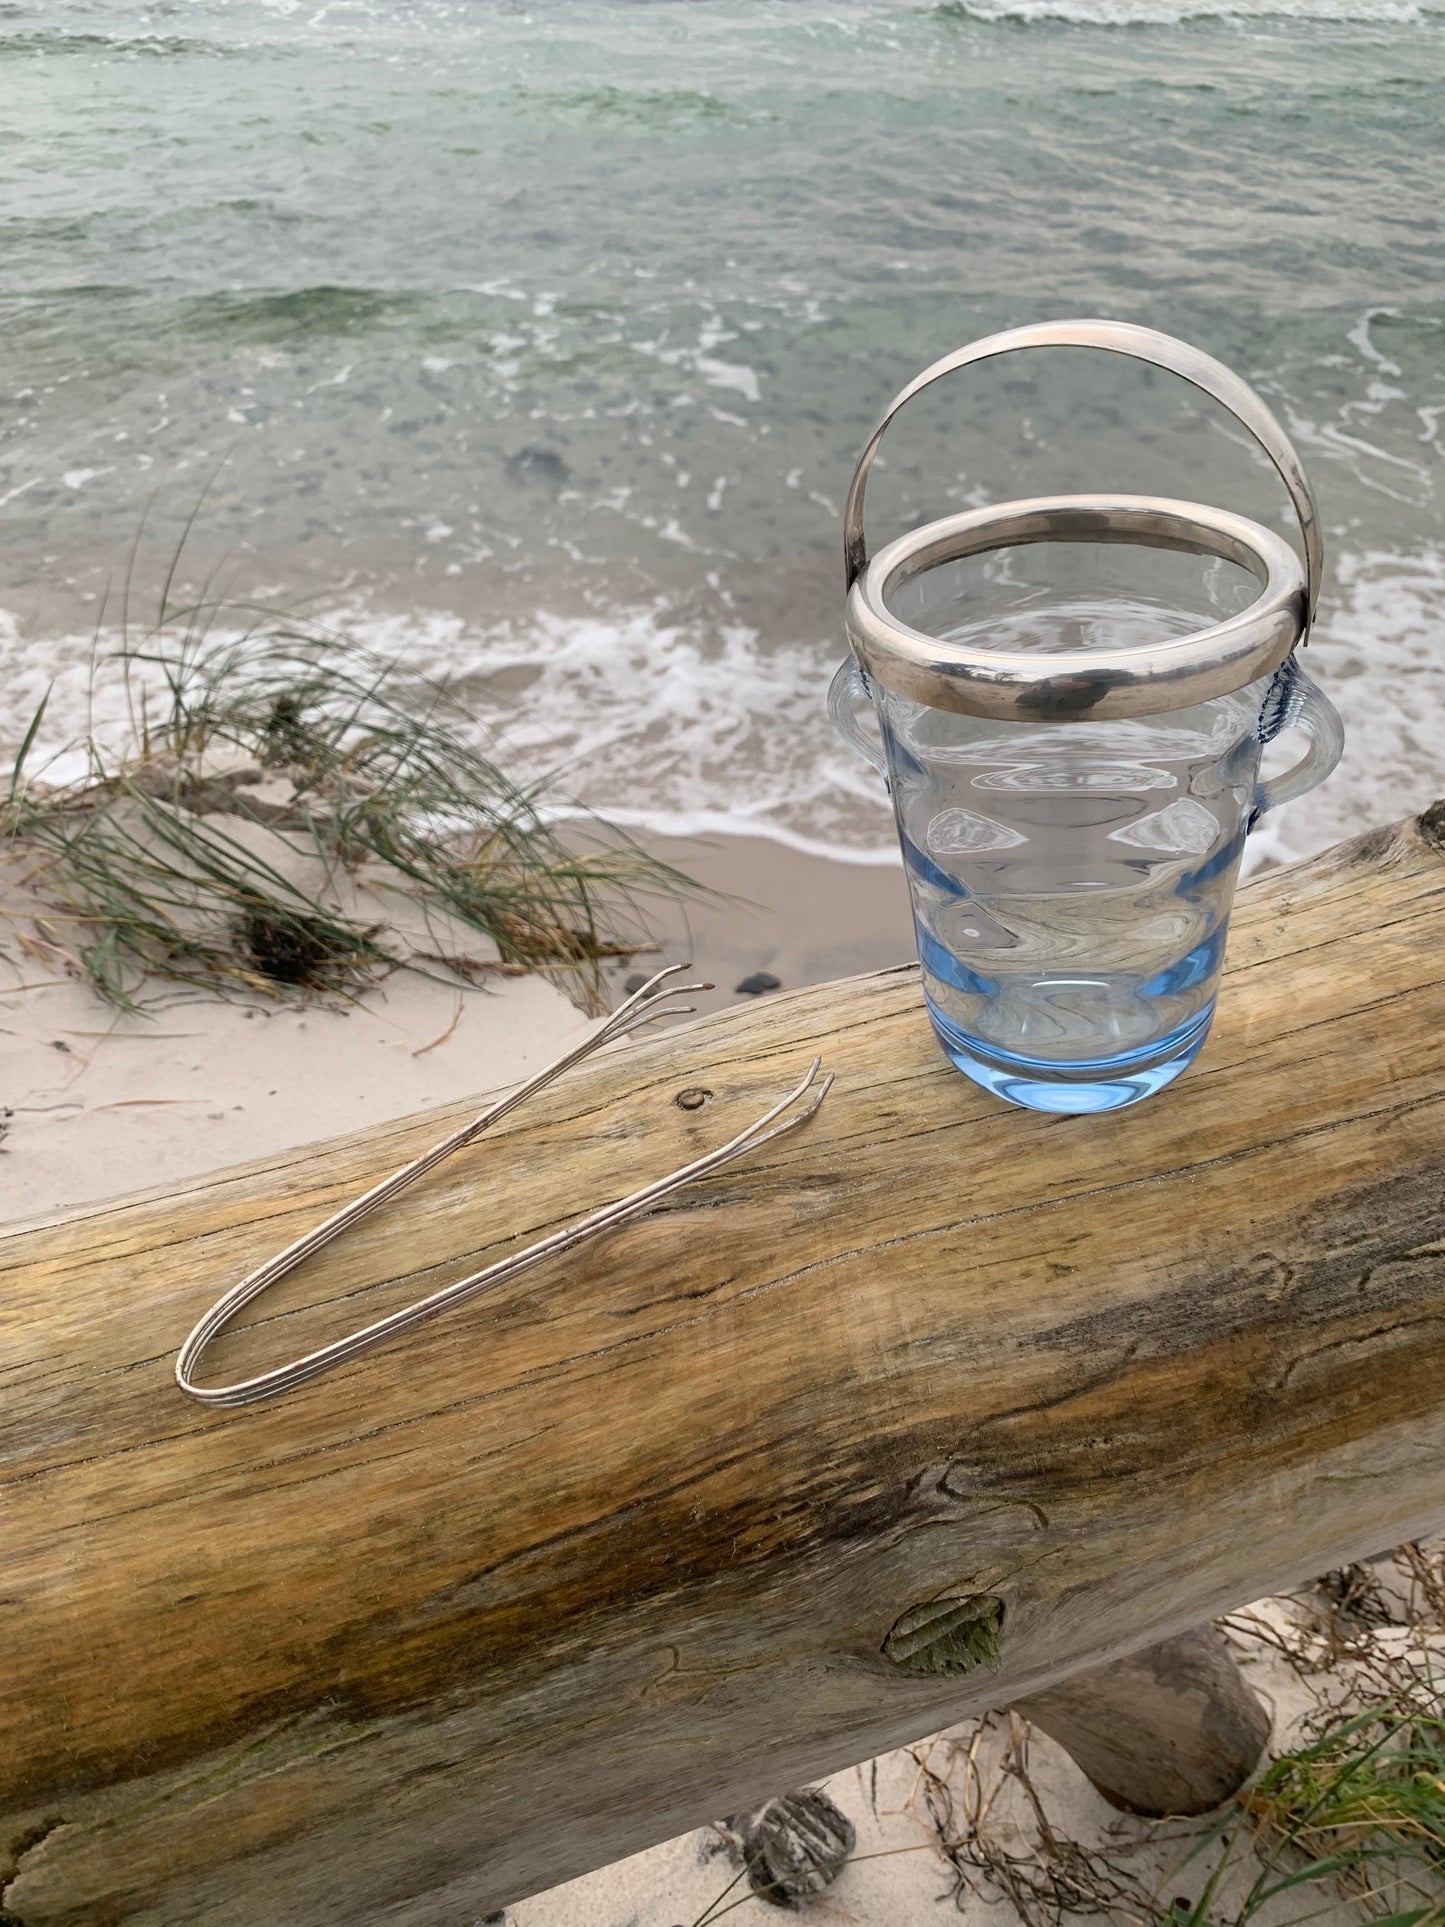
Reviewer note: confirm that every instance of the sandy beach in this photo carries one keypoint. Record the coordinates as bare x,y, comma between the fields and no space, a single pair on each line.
103,1103
802,919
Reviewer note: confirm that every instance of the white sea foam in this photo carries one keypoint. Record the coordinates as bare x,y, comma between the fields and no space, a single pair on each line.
682,730
677,729
1169,13
1378,655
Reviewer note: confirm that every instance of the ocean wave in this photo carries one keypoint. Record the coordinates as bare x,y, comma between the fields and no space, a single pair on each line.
707,729
322,309
48,41
644,107
1173,13
686,730
1377,654
676,728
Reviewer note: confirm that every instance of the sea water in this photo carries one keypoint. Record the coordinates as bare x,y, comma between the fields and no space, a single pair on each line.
533,344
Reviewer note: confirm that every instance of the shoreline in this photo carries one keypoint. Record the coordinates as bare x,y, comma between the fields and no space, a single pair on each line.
801,918
102,1104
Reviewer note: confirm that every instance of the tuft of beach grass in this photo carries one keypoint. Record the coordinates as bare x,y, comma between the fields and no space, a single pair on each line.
277,788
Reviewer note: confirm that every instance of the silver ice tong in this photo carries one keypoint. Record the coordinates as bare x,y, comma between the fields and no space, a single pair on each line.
646,1006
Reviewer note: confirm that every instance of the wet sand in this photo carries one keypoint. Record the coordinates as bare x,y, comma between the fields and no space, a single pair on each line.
800,918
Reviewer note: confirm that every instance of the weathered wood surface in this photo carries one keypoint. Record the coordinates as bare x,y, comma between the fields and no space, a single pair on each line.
1173,1728
593,1561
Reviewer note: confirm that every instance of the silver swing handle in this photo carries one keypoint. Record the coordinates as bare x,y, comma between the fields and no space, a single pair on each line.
1211,377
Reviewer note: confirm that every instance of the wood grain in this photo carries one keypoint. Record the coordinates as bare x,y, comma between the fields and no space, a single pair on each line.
617,1549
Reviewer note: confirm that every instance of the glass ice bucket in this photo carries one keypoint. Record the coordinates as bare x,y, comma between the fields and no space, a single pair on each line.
1073,695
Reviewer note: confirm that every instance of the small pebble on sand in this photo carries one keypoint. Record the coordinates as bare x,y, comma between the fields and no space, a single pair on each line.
760,981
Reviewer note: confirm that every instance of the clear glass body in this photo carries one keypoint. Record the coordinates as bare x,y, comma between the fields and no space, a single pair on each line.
1071,887
1071,882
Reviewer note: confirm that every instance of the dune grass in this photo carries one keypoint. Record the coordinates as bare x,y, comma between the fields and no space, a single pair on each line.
365,777
1359,1810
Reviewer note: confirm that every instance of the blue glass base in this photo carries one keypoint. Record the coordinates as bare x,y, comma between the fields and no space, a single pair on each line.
1089,1084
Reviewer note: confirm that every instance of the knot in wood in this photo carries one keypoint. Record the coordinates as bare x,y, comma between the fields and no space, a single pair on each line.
947,1637
1431,825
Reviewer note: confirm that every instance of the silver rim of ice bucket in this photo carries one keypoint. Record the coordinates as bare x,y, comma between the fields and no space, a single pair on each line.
1102,684
1124,682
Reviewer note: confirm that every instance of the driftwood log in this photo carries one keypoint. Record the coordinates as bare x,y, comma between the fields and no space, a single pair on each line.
925,1408
1173,1728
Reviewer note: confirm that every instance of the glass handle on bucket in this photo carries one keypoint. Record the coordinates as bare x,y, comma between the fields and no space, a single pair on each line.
847,689
1307,707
